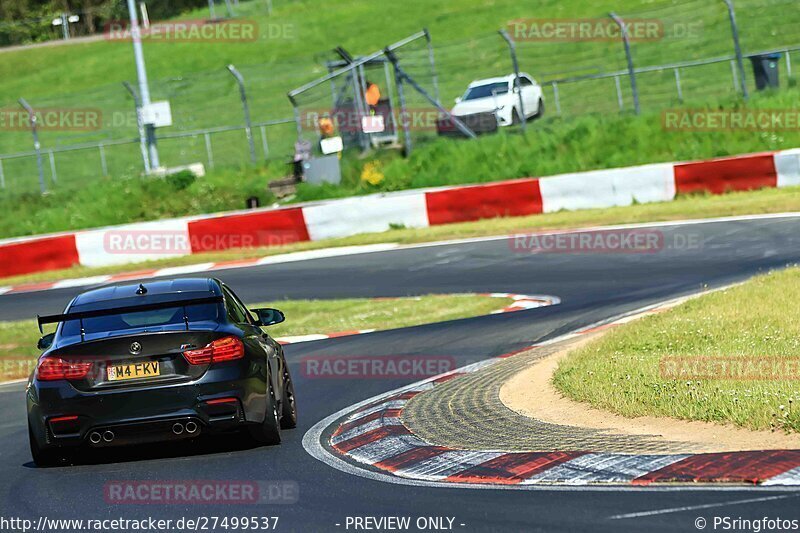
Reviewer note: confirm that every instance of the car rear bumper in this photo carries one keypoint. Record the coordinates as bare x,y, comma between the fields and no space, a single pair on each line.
225,397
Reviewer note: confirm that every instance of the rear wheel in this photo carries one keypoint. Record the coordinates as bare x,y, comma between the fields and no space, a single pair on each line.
269,431
540,109
288,406
43,457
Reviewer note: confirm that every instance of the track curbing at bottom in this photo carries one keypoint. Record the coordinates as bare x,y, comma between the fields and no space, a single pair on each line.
372,436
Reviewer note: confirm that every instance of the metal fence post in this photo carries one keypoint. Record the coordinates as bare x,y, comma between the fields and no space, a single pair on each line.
264,144
140,125
401,95
211,10
788,63
103,164
734,76
2,176
512,49
248,126
620,101
432,61
678,84
736,46
36,145
631,71
209,152
53,174
557,98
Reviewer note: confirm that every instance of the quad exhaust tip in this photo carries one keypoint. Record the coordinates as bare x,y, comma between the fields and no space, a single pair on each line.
108,436
95,438
177,428
191,427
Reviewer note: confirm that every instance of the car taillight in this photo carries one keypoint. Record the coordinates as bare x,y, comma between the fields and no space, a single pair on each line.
54,368
224,349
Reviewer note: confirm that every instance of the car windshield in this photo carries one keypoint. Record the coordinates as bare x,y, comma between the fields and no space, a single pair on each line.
485,91
170,319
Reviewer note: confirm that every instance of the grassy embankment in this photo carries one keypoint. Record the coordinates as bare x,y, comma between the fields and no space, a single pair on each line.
699,360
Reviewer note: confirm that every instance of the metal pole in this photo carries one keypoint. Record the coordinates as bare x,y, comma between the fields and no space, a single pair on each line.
212,12
248,126
512,48
103,164
619,93
36,145
432,61
734,76
269,7
631,71
557,98
737,47
403,114
229,8
392,117
2,176
140,125
53,174
402,76
264,144
65,26
209,152
788,64
358,108
678,84
141,74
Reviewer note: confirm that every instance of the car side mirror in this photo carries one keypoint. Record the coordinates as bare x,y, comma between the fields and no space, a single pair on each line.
458,99
46,341
268,316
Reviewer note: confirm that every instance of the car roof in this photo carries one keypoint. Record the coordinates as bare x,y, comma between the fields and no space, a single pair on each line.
156,290
499,79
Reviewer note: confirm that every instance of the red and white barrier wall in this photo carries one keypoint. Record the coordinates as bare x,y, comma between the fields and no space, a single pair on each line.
660,182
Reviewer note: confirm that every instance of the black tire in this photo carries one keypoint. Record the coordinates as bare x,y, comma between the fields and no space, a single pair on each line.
540,110
269,431
43,457
288,405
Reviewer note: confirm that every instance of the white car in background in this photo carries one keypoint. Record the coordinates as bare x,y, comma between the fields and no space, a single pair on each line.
499,96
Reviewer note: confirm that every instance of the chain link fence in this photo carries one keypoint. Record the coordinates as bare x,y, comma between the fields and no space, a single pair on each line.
681,53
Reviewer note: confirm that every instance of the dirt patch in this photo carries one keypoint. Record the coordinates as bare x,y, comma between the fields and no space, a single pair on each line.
531,393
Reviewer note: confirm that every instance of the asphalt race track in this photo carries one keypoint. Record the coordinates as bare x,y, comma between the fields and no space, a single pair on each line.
592,286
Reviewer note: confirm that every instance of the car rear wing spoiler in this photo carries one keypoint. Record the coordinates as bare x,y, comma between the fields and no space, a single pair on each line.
80,315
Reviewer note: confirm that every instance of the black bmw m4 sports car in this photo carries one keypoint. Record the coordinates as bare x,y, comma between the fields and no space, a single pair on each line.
158,361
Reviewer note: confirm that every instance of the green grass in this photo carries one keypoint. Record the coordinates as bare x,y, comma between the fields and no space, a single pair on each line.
553,146
203,94
18,339
684,207
754,322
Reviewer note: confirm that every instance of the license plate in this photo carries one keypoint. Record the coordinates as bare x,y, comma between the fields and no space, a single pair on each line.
133,371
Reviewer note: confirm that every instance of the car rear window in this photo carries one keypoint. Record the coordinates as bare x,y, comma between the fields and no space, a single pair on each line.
485,91
168,319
